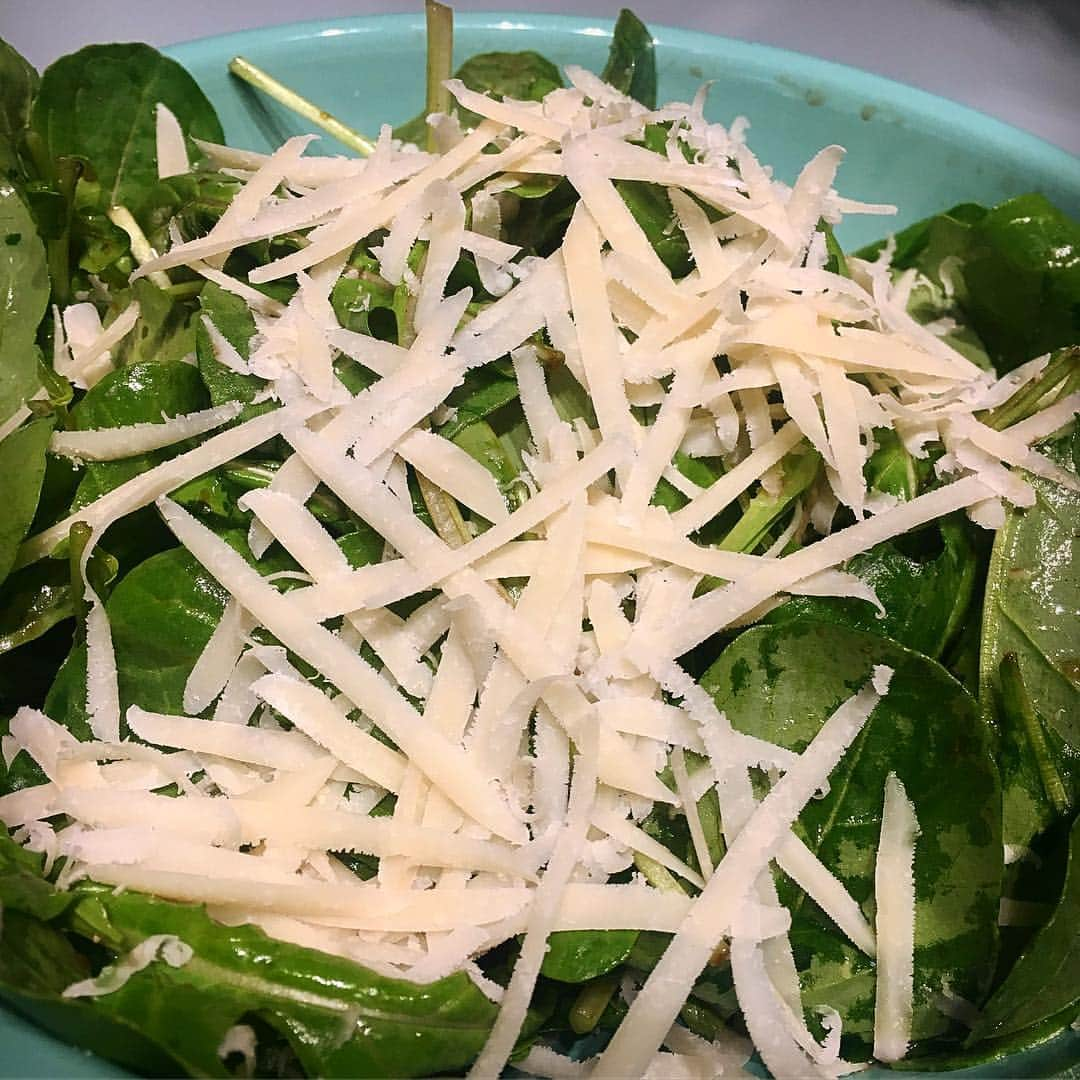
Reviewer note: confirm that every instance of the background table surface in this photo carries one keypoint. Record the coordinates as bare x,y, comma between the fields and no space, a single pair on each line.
1018,60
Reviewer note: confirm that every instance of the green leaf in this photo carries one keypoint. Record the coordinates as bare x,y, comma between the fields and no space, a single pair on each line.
631,63
162,615
575,956
1046,979
1014,272
140,393
781,683
164,331
22,469
38,597
481,393
926,599
1030,611
18,85
764,510
341,1019
24,295
234,320
1023,280
651,208
524,76
98,104
22,885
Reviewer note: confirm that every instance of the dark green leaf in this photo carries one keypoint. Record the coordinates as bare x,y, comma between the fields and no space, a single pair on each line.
481,393
1030,611
631,63
38,597
164,332
524,76
234,320
18,84
1046,979
575,956
98,103
22,885
341,1019
780,683
651,208
24,295
140,393
925,599
1023,280
1013,270
22,468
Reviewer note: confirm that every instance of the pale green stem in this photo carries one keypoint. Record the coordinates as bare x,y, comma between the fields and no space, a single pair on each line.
261,80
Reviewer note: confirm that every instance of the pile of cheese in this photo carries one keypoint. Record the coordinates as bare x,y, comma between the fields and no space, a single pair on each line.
522,780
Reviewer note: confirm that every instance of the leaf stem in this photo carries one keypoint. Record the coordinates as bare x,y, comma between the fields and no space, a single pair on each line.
141,250
440,59
1016,703
1063,367
591,1002
261,80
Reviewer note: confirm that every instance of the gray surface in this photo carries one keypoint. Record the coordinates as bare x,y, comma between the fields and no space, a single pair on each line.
1018,60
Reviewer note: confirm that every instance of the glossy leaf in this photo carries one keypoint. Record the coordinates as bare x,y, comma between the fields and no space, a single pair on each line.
18,85
781,683
341,1019
22,468
926,598
24,295
234,320
1031,610
524,76
575,956
631,63
1045,983
98,104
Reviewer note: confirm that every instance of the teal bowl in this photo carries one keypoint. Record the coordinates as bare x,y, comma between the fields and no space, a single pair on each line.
904,146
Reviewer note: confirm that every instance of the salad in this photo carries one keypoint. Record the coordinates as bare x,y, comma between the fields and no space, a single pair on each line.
524,596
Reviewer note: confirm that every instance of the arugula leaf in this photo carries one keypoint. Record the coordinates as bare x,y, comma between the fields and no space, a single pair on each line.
926,599
98,104
22,469
1046,979
1030,610
781,683
631,63
24,295
340,1019
524,76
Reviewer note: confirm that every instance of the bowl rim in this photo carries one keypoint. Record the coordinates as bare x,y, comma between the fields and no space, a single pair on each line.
931,112
934,112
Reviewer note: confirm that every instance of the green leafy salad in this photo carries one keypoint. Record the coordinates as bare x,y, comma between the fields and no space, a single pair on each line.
523,599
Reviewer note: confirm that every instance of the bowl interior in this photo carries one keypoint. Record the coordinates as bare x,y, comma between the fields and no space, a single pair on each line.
904,146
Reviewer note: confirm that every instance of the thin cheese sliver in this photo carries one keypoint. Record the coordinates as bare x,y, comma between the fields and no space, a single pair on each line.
655,1008
894,888
444,762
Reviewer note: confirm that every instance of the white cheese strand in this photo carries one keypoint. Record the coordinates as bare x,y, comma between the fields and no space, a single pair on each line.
665,991
444,762
894,889
542,916
166,947
108,444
